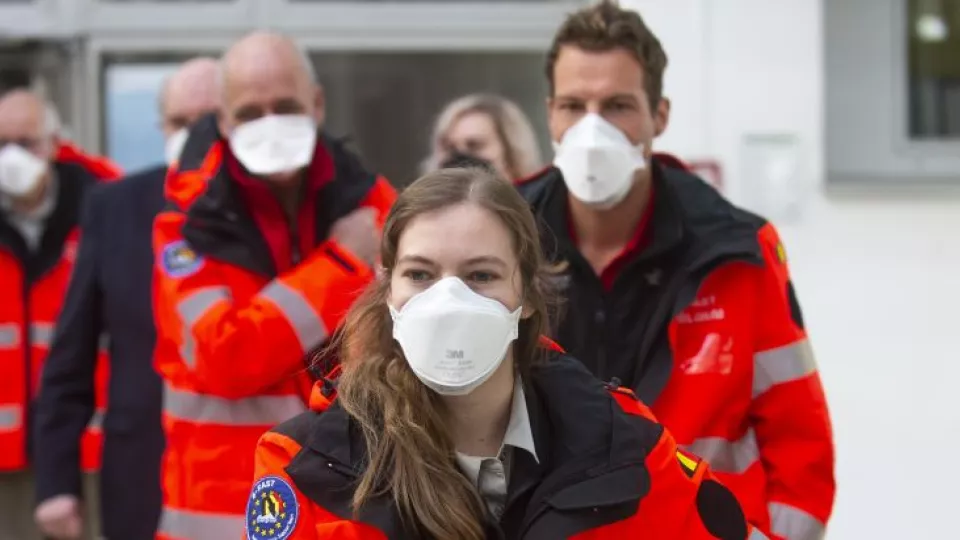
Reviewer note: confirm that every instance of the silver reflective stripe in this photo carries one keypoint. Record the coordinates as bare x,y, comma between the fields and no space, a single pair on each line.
783,364
253,411
757,534
96,421
793,523
306,323
727,456
198,302
9,336
10,417
191,309
188,349
188,525
41,334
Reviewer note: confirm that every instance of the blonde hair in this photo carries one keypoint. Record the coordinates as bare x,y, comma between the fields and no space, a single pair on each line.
404,424
521,150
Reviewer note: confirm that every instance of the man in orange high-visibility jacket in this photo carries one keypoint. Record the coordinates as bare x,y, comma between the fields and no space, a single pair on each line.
42,190
269,236
670,288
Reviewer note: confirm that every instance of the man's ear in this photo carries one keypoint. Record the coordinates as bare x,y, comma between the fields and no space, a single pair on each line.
661,117
222,123
319,105
54,148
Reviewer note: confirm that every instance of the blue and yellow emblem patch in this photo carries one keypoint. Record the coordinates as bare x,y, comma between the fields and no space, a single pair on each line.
272,510
179,260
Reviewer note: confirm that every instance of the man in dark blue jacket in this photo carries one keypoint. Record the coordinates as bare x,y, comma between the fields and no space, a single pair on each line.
110,293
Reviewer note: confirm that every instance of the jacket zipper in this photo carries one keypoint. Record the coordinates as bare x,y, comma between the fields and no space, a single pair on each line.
600,311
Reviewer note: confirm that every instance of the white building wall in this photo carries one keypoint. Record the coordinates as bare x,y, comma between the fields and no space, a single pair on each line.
878,275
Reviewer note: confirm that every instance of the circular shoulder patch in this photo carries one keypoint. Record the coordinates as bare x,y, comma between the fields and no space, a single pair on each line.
179,260
272,510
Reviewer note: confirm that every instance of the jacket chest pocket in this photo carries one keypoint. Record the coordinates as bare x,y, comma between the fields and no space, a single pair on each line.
577,510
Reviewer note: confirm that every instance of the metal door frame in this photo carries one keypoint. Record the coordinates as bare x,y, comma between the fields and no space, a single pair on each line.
318,27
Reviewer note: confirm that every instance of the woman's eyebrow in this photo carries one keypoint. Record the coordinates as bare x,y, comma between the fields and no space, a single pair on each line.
416,259
487,259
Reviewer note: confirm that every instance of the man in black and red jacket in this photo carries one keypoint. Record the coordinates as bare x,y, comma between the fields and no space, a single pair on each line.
680,295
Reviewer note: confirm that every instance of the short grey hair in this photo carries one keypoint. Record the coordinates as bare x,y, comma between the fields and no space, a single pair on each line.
522,152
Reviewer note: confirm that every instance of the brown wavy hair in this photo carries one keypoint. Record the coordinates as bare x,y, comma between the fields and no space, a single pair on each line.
411,456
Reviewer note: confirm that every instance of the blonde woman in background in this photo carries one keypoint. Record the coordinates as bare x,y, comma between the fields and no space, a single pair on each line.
488,128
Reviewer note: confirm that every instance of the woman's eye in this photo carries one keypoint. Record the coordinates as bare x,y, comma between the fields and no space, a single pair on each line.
417,275
481,277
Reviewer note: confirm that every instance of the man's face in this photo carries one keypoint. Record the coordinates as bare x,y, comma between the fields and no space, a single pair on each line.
184,105
253,91
24,126
27,147
610,84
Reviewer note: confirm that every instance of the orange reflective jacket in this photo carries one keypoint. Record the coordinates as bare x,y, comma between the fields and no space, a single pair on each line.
234,337
760,417
704,325
32,288
605,470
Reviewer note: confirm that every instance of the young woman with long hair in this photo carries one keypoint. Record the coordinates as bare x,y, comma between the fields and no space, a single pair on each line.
453,418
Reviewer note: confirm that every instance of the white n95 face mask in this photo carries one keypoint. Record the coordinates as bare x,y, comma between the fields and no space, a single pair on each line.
20,171
275,144
597,161
453,338
174,146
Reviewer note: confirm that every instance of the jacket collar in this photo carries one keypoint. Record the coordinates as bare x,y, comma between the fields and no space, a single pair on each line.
688,214
218,222
666,224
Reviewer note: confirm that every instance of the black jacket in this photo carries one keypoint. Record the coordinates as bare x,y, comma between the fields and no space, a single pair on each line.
592,468
110,292
622,333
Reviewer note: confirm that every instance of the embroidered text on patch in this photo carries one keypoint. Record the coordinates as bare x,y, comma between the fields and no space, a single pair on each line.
272,510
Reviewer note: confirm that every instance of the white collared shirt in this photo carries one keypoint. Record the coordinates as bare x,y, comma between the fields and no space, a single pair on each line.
491,475
31,226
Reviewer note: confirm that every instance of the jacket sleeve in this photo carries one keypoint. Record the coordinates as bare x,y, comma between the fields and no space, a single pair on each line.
685,500
789,411
237,349
66,400
274,452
